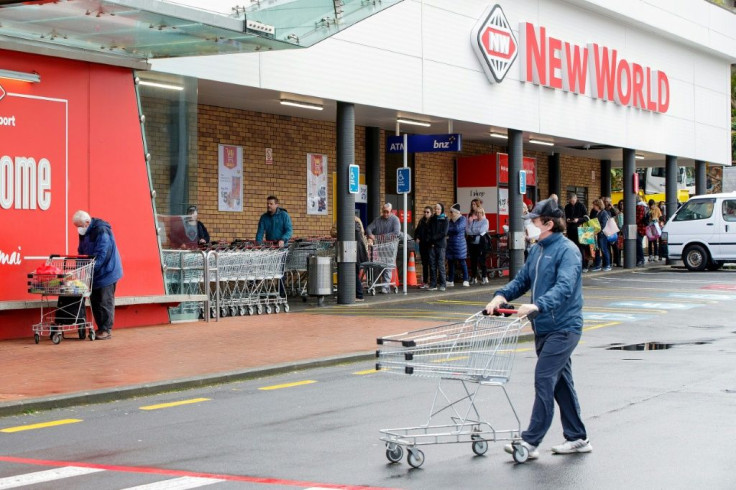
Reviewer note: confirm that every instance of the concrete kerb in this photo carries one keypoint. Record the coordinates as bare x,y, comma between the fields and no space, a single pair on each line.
127,392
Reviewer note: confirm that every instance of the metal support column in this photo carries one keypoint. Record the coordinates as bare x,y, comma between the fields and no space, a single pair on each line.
516,223
700,178
345,205
554,179
670,185
630,199
373,171
605,178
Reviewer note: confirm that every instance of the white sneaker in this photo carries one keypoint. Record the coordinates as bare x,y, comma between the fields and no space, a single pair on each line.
570,447
424,286
466,284
485,280
450,284
533,451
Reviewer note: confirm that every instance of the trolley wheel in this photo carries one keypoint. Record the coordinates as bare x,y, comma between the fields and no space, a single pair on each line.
396,290
276,308
321,301
92,335
36,338
223,312
250,310
241,311
372,291
480,447
286,308
233,310
521,454
259,309
415,458
56,338
213,312
394,455
268,309
82,332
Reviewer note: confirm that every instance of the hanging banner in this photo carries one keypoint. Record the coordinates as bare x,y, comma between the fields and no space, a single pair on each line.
316,183
230,178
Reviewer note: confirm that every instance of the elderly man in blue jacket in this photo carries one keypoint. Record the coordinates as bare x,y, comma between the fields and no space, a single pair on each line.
553,273
96,239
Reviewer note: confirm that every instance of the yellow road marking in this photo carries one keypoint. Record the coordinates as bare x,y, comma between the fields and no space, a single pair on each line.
42,425
603,325
174,404
287,385
367,371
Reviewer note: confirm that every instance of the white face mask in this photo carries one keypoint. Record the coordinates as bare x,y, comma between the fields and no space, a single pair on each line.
82,230
532,231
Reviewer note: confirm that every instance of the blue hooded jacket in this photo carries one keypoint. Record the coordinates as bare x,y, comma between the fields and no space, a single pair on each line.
99,242
553,272
276,226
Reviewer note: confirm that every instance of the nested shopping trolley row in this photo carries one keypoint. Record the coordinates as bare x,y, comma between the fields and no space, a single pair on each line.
465,357
237,281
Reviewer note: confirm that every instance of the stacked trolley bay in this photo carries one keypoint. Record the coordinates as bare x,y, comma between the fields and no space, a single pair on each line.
464,357
243,279
69,278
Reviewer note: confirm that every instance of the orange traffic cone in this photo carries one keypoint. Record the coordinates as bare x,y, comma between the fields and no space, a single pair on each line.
411,271
395,278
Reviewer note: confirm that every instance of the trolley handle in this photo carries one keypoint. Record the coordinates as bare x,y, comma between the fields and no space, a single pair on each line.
508,310
53,256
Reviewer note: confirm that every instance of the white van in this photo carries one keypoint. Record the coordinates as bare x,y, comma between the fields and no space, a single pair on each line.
702,233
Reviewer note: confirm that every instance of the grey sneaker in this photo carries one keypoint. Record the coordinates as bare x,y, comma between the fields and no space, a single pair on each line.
450,284
442,288
533,451
570,447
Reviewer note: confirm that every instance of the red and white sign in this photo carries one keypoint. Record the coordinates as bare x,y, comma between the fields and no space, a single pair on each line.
495,44
593,69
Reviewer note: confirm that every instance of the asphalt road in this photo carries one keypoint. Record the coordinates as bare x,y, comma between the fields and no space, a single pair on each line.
656,418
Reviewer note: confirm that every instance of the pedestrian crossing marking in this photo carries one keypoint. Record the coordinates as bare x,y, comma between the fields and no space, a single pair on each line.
41,425
287,385
183,483
174,404
44,476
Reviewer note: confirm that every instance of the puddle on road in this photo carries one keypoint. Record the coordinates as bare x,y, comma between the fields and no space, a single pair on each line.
652,345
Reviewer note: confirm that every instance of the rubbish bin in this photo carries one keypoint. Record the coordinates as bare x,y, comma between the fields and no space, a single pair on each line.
319,277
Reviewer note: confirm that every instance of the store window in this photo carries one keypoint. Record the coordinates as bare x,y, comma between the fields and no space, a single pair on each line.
169,104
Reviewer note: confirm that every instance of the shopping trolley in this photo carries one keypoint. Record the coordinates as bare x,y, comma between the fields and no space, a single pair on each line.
70,279
476,353
381,263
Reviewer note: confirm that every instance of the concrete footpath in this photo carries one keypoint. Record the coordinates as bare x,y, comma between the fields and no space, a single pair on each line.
148,360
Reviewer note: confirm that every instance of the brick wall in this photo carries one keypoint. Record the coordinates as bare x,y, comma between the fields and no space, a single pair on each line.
291,138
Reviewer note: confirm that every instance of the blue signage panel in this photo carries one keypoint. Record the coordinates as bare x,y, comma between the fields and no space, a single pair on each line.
522,182
354,179
403,180
425,143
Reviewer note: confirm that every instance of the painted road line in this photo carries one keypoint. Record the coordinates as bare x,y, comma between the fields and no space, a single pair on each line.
605,309
147,470
657,297
602,325
648,305
183,483
706,296
367,371
174,404
45,476
619,317
287,385
42,425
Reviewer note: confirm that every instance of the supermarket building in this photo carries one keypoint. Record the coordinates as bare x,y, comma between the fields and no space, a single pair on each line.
576,88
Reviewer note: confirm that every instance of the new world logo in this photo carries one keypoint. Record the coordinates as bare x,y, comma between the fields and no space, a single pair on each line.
495,44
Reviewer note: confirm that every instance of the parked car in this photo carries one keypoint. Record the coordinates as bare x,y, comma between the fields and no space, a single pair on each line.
702,233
